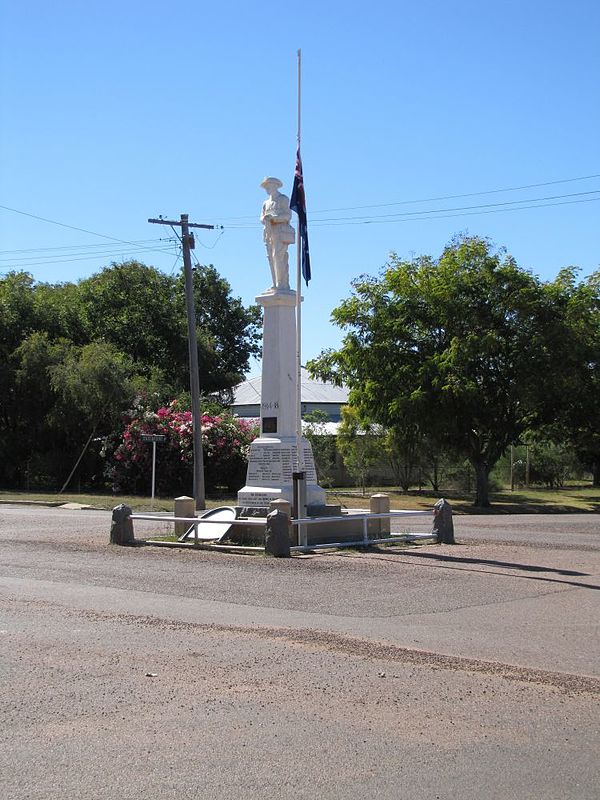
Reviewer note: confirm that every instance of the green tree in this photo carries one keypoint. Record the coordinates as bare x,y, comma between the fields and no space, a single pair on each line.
550,464
27,435
436,462
135,309
92,385
359,444
323,445
575,308
228,333
59,312
18,321
95,379
403,444
61,345
142,312
461,345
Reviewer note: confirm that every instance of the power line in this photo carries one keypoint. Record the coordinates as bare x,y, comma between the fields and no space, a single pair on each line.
191,252
57,258
462,208
449,216
439,213
177,257
64,225
458,196
442,213
52,261
441,197
206,246
67,247
214,244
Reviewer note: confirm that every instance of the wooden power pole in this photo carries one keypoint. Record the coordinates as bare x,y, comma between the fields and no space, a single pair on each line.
187,242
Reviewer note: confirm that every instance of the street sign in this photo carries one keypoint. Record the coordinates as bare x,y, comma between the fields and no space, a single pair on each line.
154,439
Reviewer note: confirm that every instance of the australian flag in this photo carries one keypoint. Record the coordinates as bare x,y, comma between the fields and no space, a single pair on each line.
298,204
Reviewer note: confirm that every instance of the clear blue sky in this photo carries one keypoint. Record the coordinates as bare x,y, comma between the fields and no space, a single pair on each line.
114,112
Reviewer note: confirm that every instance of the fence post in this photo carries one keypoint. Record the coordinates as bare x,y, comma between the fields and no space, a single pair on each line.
121,529
281,505
184,506
443,526
380,504
277,534
365,523
284,507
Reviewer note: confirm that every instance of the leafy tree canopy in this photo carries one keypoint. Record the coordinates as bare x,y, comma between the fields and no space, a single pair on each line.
359,444
73,355
134,307
464,347
576,319
228,333
142,312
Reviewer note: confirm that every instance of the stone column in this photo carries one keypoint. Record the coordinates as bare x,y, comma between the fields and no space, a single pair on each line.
273,457
279,369
184,507
380,504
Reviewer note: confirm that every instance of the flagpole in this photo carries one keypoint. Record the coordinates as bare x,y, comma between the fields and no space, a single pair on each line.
299,449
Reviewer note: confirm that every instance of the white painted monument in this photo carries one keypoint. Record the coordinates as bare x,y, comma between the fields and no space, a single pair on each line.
274,455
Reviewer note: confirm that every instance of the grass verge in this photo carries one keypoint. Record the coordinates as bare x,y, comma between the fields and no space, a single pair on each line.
571,499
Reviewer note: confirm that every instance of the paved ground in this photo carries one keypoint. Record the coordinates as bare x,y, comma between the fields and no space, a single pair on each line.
435,672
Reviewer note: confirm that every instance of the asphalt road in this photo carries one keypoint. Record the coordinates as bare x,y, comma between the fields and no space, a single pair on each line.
431,672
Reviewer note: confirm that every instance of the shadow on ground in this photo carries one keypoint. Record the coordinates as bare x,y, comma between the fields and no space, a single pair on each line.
463,563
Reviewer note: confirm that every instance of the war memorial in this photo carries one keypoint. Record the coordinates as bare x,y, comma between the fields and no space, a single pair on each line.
280,452
281,499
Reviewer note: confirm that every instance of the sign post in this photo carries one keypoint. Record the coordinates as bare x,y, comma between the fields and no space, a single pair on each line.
154,438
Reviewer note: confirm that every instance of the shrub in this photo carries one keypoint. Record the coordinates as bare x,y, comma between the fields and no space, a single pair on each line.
225,442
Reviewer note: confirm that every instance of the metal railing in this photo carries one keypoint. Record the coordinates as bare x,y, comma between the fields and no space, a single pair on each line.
365,541
195,522
302,524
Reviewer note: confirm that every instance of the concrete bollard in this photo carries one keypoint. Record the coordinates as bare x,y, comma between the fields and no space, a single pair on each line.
121,529
281,505
380,504
443,526
277,534
184,506
286,508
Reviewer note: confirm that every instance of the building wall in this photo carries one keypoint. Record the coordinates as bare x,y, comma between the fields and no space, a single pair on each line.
333,410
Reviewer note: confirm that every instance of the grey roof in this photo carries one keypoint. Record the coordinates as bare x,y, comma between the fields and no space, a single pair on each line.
248,392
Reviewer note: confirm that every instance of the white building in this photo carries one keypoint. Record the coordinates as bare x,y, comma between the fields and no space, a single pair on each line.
315,396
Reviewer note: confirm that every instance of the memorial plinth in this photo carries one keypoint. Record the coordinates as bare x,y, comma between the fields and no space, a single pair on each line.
273,457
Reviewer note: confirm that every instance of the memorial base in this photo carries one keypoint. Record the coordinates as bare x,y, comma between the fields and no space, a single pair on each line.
271,464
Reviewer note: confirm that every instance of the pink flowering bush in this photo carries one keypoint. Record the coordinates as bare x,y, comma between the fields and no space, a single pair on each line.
225,443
